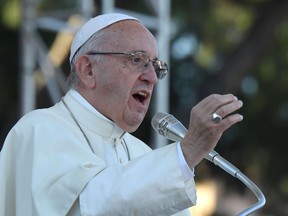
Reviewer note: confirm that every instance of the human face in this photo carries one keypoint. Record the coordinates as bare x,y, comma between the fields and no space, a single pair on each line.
123,93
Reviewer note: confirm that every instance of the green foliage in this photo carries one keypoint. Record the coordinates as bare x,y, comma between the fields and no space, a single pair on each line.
10,13
259,146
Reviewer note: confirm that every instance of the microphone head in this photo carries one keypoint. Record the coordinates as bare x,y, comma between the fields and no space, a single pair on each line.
168,126
157,118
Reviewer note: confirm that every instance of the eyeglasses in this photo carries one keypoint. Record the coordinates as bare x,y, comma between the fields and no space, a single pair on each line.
140,61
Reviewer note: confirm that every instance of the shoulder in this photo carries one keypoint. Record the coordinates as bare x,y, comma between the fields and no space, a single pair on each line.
41,118
41,126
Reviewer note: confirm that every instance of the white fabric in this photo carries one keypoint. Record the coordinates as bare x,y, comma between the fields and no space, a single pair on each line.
94,25
186,171
47,168
86,104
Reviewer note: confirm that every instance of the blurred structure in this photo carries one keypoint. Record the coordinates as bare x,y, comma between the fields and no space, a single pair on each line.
35,54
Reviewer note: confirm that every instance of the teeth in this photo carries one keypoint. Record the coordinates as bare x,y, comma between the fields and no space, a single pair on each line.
143,94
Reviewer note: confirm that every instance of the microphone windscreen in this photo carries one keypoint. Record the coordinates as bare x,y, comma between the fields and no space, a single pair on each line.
157,119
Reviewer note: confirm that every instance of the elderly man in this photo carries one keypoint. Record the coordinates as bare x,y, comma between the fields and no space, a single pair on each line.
78,157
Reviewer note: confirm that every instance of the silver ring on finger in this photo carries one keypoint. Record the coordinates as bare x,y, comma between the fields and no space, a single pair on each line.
216,118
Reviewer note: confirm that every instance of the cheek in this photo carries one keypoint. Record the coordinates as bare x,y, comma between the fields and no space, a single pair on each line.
115,86
116,93
116,83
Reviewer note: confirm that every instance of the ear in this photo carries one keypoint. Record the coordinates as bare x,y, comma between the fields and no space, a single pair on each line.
85,73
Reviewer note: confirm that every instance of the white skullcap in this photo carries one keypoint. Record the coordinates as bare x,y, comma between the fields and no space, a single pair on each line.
94,25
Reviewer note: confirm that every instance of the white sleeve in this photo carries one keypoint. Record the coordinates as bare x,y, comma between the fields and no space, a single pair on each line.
186,171
149,185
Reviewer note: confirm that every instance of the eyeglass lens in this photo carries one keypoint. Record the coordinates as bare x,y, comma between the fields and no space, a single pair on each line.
141,60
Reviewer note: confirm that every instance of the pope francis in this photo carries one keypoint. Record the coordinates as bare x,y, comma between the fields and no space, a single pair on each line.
78,156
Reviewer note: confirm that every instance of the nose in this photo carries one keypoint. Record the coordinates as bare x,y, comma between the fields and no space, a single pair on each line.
149,75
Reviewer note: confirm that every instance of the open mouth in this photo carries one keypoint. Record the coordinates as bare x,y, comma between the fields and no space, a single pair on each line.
140,96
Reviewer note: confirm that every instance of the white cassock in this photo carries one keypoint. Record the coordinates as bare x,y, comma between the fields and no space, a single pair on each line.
47,168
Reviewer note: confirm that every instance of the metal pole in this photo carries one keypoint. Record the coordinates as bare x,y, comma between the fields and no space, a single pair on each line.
108,6
162,87
28,89
87,8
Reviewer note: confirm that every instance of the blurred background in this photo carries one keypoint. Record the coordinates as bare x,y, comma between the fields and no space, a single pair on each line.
212,46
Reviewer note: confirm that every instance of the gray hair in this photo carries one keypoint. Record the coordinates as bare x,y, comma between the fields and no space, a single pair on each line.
95,43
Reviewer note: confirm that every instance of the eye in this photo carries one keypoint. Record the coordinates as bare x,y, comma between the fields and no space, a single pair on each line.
136,59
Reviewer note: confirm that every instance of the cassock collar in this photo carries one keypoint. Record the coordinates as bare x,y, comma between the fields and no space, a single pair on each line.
89,117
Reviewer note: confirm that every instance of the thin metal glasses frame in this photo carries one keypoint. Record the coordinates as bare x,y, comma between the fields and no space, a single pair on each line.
160,67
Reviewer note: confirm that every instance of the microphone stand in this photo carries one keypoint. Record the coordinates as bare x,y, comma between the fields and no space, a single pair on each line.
168,126
218,160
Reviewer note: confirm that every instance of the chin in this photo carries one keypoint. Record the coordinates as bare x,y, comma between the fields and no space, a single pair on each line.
132,122
132,128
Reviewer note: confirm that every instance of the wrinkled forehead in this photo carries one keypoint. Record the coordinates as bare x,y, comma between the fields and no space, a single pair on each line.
94,25
130,34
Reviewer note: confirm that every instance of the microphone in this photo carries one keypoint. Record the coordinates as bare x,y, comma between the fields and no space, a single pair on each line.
169,127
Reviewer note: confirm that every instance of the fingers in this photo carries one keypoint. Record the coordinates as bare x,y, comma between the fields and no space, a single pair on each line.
224,110
213,102
201,125
223,105
203,133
